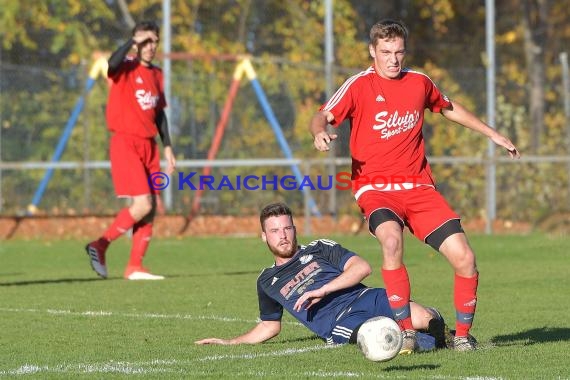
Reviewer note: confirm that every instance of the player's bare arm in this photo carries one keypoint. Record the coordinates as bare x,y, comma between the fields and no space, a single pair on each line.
461,115
318,129
263,331
170,160
355,270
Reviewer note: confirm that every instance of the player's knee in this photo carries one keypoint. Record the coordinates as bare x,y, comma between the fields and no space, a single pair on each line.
463,261
391,247
145,208
142,207
390,243
467,263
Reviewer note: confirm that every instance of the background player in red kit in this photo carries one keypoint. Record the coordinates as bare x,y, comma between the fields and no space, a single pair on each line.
392,180
135,115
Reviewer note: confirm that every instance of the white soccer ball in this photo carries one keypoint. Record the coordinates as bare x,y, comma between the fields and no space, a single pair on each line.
379,339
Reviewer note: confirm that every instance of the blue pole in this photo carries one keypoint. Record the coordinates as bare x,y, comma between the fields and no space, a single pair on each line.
281,139
62,143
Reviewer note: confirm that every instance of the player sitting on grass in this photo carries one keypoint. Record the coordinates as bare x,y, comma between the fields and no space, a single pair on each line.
320,285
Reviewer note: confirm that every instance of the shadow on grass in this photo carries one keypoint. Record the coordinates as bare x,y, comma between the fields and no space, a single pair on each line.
411,367
314,338
77,280
213,274
11,274
533,336
56,281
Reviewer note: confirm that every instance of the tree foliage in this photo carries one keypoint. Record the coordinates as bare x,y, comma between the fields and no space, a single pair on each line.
49,46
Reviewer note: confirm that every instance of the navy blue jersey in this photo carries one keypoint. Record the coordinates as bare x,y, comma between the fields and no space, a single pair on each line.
313,266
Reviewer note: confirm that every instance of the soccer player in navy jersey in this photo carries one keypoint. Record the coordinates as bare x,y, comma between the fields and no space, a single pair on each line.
320,285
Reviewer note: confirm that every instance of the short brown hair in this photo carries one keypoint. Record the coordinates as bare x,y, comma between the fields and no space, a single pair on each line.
147,25
274,209
388,28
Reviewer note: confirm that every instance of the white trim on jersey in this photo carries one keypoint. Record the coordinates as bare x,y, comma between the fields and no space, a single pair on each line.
420,73
338,95
328,242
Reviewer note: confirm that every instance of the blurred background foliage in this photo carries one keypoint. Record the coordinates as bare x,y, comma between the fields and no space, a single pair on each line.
48,47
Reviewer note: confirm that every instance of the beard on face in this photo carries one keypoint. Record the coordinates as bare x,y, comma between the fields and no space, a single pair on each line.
290,248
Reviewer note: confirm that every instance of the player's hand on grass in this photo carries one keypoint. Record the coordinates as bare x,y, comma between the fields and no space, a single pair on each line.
213,341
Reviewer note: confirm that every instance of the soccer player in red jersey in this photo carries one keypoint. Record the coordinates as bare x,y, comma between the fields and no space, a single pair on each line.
392,180
135,115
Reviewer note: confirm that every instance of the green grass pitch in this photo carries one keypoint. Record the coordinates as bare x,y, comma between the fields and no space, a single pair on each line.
58,320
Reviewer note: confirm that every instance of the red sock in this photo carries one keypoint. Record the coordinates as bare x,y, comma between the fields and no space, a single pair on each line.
465,299
398,291
122,223
142,232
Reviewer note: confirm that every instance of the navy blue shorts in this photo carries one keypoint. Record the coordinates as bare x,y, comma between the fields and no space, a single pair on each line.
372,302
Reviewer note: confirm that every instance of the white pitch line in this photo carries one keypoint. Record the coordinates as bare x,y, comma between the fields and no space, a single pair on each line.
102,313
153,366
288,351
109,367
163,365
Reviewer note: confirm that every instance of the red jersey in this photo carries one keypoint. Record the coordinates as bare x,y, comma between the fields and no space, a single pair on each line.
135,97
386,118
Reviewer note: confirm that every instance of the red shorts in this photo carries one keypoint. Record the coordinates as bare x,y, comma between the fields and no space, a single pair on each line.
133,159
422,209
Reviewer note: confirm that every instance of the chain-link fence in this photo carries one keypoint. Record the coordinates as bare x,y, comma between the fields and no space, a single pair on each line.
36,105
